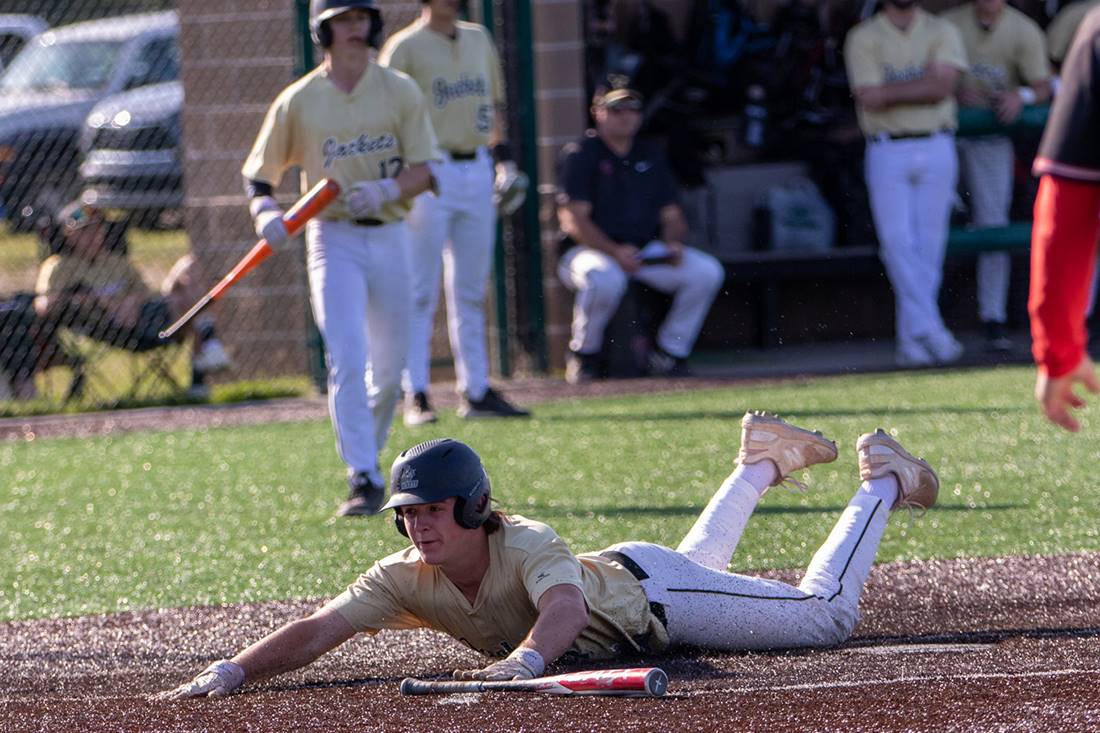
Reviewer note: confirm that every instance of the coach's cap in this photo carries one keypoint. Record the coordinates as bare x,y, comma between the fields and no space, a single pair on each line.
85,210
615,93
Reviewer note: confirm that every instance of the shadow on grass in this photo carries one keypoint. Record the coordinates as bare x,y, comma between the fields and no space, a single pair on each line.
790,415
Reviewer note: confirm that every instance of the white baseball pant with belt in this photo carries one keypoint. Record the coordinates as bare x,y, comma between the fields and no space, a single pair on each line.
911,185
708,607
600,283
456,231
986,167
358,282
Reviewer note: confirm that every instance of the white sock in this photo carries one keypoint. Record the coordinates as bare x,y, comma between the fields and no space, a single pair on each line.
759,475
885,488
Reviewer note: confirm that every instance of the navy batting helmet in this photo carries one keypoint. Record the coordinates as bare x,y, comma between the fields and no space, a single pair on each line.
321,10
436,470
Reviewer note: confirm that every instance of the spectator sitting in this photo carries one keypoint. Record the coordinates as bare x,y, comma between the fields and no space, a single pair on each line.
89,286
617,203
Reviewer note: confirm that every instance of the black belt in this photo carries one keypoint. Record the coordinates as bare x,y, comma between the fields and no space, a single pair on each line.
657,609
909,135
368,222
458,155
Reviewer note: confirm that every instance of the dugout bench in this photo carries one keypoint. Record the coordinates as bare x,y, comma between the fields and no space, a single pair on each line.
761,277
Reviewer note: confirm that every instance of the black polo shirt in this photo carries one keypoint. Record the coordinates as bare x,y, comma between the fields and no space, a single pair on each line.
1071,140
627,194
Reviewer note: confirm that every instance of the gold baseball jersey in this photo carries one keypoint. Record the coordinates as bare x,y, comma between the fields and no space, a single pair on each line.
108,277
369,134
461,78
1012,53
878,52
526,559
1064,27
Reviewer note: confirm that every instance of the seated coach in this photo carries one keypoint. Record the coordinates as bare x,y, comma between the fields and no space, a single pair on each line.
619,211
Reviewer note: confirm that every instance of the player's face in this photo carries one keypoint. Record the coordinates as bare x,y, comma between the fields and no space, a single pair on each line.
350,28
87,240
434,531
445,9
902,4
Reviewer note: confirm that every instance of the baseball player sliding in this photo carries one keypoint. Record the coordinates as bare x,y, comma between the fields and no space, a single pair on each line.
457,68
367,127
510,588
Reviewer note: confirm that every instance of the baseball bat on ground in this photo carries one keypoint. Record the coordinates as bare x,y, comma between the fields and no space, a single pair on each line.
303,210
642,681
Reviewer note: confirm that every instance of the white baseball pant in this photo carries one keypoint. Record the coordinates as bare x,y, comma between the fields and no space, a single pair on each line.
986,167
358,282
455,230
911,185
708,607
599,283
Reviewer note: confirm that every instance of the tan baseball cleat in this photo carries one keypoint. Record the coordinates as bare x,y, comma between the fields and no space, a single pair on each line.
879,455
765,436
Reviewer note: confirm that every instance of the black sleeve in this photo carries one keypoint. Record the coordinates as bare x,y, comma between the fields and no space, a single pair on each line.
1071,140
575,174
254,188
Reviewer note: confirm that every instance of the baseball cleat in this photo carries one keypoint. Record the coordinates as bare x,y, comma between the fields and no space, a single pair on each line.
765,436
365,496
491,405
879,455
418,411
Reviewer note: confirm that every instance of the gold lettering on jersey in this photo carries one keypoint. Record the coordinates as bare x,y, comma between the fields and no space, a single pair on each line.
365,144
466,86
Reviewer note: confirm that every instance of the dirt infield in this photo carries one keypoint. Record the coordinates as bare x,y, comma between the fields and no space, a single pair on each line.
971,645
965,645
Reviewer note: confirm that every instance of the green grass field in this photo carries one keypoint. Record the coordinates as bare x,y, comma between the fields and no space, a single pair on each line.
245,514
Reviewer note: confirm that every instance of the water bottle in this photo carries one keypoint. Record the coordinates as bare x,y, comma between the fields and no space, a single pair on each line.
756,117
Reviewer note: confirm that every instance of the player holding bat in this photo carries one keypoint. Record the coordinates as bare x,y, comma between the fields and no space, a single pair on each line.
367,128
510,588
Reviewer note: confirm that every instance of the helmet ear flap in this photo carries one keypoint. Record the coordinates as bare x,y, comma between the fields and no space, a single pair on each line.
399,522
471,513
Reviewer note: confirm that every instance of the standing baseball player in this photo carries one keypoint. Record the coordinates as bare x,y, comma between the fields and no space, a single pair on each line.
1064,236
903,64
510,588
457,68
1063,28
1008,70
367,127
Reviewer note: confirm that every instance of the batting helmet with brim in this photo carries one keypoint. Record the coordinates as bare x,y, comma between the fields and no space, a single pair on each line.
437,470
320,11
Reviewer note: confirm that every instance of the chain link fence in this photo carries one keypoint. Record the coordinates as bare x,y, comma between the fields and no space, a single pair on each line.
123,125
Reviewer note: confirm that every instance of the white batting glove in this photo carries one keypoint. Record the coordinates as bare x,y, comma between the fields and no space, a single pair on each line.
522,664
267,217
367,198
509,188
218,680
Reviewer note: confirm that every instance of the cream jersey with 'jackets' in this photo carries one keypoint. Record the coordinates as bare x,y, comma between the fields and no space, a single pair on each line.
461,78
1010,54
369,134
878,52
526,558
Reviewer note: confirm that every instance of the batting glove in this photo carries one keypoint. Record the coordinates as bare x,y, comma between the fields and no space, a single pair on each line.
522,664
367,198
509,188
268,220
218,680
